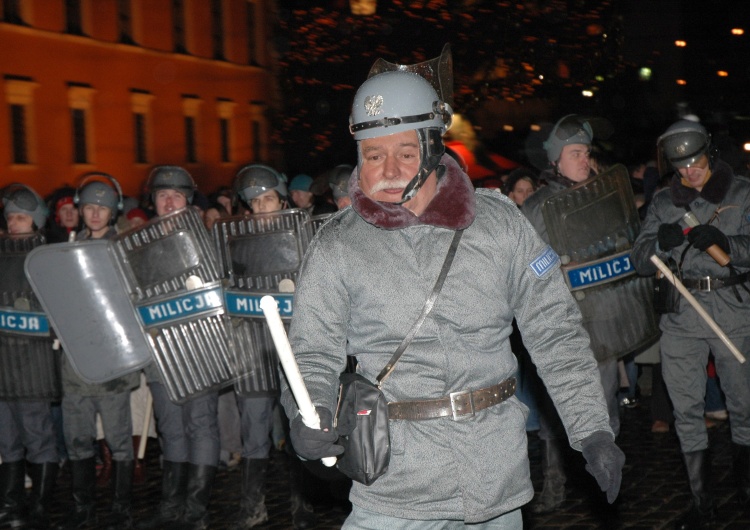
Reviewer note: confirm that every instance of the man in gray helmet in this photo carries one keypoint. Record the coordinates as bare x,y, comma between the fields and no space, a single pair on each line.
719,202
262,188
27,434
567,147
338,180
189,432
99,202
364,281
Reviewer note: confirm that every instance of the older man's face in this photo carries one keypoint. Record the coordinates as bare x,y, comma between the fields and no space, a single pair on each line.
388,165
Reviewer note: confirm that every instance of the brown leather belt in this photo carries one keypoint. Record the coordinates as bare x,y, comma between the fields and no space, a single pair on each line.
456,404
711,284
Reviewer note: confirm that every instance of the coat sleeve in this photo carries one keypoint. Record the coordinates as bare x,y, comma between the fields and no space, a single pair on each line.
646,244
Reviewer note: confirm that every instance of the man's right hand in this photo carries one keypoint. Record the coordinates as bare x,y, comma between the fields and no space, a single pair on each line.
670,236
314,444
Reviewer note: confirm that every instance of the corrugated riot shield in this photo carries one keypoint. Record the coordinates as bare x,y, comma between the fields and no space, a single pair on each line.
260,255
173,277
592,227
29,368
316,221
81,289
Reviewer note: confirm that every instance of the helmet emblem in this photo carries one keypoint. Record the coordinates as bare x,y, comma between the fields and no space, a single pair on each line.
680,149
99,193
374,105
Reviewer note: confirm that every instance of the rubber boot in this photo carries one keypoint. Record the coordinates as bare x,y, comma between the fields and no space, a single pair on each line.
43,481
253,505
742,470
169,512
84,510
199,482
122,487
553,491
105,473
303,513
702,512
12,494
139,469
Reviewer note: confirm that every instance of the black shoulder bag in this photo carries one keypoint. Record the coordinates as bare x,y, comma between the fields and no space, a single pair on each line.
362,410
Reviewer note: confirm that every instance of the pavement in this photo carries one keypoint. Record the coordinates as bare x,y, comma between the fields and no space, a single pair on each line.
654,488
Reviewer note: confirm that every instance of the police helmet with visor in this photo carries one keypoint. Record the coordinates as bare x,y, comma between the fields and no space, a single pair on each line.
19,198
569,130
256,179
171,178
98,192
683,144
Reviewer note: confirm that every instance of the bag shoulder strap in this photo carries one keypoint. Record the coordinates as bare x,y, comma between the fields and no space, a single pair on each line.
425,310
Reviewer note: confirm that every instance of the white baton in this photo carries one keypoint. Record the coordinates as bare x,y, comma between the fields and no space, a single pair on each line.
306,409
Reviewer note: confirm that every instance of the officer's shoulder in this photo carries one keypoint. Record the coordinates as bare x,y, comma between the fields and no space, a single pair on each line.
496,202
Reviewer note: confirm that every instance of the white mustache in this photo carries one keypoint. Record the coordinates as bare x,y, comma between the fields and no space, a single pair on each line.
389,184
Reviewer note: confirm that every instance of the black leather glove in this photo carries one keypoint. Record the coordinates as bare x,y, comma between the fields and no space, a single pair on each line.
670,236
314,444
604,461
703,236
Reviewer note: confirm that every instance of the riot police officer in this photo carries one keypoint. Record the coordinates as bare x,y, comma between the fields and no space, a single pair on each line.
99,202
189,432
715,202
338,181
27,434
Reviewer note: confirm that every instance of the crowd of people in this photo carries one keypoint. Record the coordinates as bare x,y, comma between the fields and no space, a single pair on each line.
541,322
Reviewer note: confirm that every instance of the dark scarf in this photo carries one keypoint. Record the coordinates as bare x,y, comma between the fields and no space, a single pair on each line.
453,205
713,191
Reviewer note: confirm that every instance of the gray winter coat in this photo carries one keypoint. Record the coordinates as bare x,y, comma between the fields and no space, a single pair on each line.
363,283
729,196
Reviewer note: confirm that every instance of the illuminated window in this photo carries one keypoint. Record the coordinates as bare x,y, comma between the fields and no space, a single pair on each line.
722,73
19,97
680,43
681,82
140,102
738,31
80,100
191,112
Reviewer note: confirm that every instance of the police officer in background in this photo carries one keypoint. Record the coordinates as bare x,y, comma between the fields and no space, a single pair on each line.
719,201
189,432
338,180
99,204
366,277
27,434
567,147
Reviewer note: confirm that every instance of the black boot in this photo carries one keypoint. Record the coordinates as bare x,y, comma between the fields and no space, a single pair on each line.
122,487
702,512
43,481
199,482
303,513
12,494
173,480
253,506
553,491
742,470
84,510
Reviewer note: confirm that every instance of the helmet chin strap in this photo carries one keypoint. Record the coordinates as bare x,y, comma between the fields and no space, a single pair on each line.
431,149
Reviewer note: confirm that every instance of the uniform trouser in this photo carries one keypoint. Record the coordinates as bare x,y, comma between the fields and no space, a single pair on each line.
684,369
188,432
361,519
550,426
27,431
79,424
256,423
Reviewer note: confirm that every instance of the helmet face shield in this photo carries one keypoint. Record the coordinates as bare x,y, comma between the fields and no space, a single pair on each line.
19,198
572,129
255,179
171,178
683,145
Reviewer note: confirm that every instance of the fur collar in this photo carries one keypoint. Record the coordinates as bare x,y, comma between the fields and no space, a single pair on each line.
453,205
714,191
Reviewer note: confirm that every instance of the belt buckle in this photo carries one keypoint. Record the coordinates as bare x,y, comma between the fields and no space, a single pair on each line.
455,397
704,284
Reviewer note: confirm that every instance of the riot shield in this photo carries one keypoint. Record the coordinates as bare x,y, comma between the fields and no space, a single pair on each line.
316,221
592,226
81,289
29,368
260,255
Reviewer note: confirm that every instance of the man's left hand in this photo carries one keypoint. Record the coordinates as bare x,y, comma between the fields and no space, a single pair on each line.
704,236
604,461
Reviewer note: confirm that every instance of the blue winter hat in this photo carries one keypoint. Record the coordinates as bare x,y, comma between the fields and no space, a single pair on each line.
301,182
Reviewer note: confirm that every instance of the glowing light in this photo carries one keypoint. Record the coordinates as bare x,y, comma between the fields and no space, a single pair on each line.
746,146
738,31
681,82
535,127
722,73
587,93
680,43
508,128
644,74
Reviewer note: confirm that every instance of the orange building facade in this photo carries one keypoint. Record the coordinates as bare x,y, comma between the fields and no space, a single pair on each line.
119,86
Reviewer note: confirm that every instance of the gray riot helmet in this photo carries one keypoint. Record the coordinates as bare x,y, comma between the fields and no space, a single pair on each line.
19,198
339,180
171,178
683,144
398,101
255,179
98,192
571,129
